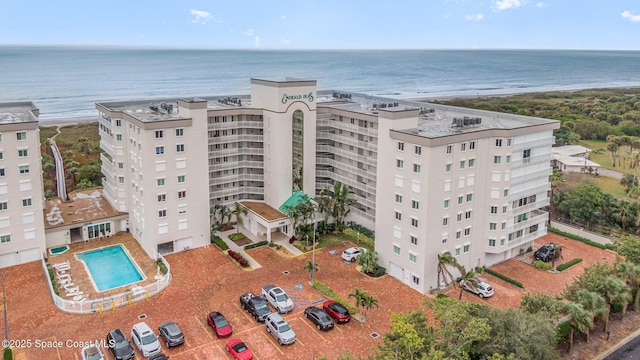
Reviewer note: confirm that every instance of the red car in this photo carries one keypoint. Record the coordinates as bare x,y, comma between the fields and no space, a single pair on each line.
219,324
338,312
239,350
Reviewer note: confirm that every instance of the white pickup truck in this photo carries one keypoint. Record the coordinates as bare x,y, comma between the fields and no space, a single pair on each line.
277,298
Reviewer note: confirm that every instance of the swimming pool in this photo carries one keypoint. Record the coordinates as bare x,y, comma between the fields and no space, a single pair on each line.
110,267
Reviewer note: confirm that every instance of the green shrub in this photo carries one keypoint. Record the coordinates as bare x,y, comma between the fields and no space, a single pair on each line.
380,270
215,239
362,230
568,264
577,238
505,278
8,354
328,292
237,236
441,296
362,239
258,244
563,330
54,283
163,268
539,264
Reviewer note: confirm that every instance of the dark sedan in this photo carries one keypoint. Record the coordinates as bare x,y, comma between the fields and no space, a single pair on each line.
319,317
119,345
171,334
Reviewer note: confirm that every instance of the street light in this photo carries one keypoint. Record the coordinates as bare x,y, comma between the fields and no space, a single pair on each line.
4,299
313,255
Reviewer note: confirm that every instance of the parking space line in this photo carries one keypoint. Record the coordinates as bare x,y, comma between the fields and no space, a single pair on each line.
251,329
270,339
337,327
223,350
313,328
246,313
203,327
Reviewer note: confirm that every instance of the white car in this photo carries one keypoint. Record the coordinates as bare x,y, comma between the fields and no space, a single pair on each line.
353,253
92,352
484,290
145,339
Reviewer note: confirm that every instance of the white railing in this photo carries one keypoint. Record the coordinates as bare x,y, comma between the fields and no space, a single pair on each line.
99,305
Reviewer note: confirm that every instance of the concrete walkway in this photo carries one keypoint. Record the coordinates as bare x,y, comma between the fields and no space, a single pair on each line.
224,235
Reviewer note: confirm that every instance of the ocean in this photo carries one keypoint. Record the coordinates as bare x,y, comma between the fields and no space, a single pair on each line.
66,82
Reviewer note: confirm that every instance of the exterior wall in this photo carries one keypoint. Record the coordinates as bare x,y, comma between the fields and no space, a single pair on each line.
21,190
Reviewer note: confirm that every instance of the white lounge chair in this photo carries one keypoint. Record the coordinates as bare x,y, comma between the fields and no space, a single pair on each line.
65,282
63,277
71,288
79,298
62,266
75,293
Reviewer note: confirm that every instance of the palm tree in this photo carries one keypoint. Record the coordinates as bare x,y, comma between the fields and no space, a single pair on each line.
368,262
225,213
631,273
614,290
468,277
311,267
238,210
342,203
623,213
579,317
613,148
556,178
364,301
325,204
446,260
593,303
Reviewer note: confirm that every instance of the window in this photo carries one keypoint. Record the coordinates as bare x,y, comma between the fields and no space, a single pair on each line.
526,155
467,231
414,240
2,172
160,181
179,132
414,222
182,209
509,142
23,153
398,216
162,213
446,203
492,242
182,194
121,179
459,217
118,122
159,150
181,179
447,167
460,199
119,137
504,225
415,204
24,169
462,163
504,209
416,168
21,135
497,159
463,147
469,197
472,163
508,159
465,249
399,198
417,149
457,251
179,147
494,209
399,163
505,192
493,226
467,214
458,234
501,241
1,155
415,279
397,232
162,197
159,134
25,185
413,257
498,142
445,237
4,205
472,145
120,165
445,221
26,202
5,239
400,146
396,249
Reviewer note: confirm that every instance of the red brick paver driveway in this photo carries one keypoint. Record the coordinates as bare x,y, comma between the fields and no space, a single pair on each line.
206,280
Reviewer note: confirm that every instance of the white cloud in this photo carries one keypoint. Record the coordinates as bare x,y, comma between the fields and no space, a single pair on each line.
474,17
542,5
257,41
631,16
285,41
201,17
500,5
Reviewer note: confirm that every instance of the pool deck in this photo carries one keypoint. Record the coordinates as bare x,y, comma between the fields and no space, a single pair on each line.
80,276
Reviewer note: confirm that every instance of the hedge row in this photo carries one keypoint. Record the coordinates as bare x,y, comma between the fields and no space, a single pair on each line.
258,244
328,292
568,264
215,239
239,258
539,264
237,236
505,278
361,229
54,283
8,354
362,239
578,238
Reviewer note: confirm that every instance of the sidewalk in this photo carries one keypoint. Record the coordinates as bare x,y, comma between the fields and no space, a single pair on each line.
224,235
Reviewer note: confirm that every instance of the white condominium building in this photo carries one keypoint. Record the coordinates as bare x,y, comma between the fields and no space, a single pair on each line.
427,178
22,236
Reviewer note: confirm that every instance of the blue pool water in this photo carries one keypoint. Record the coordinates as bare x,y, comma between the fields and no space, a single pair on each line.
110,267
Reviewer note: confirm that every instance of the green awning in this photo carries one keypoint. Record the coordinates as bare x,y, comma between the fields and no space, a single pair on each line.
296,198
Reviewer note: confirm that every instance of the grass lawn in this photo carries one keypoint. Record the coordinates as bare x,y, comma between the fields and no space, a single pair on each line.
604,157
610,185
324,241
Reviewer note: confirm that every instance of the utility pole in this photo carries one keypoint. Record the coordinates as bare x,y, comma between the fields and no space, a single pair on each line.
4,300
313,255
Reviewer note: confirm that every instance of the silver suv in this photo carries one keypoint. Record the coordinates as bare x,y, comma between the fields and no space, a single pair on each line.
280,329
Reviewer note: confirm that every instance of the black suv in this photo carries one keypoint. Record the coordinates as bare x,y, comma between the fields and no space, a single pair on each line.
548,252
119,345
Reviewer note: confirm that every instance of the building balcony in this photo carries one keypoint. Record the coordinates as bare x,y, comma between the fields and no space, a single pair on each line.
107,146
542,231
236,165
369,160
541,143
243,124
236,151
537,217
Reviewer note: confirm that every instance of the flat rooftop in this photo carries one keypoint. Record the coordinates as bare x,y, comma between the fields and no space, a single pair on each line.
83,206
18,112
263,210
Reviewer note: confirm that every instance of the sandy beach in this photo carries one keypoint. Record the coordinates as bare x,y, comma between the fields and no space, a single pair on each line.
66,121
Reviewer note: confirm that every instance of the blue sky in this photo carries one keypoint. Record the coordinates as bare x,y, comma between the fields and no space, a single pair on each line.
326,24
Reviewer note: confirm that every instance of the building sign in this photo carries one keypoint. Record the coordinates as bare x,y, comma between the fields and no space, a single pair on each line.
281,222
286,98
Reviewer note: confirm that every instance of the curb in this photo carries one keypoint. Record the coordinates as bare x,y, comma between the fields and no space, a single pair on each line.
617,346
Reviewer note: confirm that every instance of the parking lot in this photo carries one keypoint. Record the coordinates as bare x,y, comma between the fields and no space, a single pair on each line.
206,280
